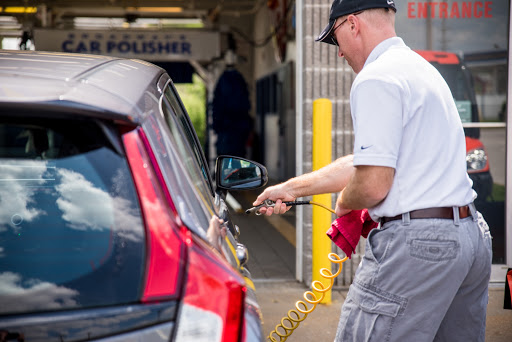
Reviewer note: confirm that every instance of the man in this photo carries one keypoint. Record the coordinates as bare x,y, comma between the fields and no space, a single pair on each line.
425,272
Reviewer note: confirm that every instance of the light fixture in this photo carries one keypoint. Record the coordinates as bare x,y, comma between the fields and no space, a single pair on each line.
12,9
155,9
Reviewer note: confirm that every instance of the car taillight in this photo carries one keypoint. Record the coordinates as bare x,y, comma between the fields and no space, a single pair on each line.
166,249
213,306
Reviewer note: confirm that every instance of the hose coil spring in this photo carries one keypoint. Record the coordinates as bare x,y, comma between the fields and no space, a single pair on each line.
289,324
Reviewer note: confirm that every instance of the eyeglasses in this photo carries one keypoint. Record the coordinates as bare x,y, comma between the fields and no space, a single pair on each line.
333,31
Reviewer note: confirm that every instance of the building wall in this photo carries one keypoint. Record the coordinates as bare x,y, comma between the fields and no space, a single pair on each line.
325,75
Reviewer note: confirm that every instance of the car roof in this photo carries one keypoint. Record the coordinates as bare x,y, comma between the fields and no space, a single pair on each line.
90,84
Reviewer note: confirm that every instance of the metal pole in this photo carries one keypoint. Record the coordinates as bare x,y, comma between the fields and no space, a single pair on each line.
322,156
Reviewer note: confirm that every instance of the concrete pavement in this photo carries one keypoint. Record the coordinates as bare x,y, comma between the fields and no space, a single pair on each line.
276,298
272,264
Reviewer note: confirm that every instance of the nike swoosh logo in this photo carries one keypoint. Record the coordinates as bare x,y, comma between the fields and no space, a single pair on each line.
365,147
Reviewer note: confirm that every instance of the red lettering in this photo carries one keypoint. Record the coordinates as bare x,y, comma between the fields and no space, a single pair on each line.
422,10
443,10
433,9
449,9
487,12
478,12
455,11
466,9
410,10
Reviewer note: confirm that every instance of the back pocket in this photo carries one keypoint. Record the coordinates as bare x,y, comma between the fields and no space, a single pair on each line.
433,244
434,250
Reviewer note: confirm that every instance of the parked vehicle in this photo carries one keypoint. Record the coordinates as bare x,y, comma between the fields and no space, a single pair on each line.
110,222
460,81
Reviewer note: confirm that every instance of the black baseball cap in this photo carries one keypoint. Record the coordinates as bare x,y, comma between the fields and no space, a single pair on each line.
340,8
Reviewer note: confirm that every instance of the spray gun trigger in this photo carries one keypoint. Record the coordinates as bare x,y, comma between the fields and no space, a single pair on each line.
266,203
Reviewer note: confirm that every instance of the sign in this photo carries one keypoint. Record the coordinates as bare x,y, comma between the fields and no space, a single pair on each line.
453,10
464,109
175,45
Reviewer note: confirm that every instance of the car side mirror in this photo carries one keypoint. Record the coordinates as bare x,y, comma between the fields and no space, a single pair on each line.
235,173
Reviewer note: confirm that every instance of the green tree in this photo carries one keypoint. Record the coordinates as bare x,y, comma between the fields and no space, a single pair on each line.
193,96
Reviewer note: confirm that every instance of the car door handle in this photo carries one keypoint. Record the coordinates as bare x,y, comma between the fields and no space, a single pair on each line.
242,254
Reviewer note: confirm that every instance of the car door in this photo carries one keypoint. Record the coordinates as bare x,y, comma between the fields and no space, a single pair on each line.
175,143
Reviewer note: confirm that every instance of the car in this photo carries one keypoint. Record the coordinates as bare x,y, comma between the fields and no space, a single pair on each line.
111,225
452,67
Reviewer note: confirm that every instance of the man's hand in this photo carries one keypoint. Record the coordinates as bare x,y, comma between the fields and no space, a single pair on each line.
331,178
277,193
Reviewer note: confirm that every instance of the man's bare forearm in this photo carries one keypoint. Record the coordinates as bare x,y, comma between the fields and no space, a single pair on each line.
329,179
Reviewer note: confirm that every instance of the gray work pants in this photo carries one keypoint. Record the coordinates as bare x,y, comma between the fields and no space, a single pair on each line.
421,280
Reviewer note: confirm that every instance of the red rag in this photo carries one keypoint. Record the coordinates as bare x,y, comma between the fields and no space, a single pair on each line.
347,230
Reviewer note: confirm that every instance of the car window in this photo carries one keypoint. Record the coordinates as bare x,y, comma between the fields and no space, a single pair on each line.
69,218
177,109
187,152
453,74
182,176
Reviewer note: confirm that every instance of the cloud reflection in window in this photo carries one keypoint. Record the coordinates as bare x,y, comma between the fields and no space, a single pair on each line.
19,295
85,206
15,197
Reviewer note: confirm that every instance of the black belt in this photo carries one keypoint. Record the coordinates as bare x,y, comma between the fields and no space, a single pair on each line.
442,213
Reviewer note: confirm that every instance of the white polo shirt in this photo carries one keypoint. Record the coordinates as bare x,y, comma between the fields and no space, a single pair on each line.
405,117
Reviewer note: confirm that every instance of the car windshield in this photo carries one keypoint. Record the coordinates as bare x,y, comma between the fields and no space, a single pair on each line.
454,76
69,218
458,80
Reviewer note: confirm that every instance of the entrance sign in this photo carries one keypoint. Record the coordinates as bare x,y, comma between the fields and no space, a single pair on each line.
173,45
456,9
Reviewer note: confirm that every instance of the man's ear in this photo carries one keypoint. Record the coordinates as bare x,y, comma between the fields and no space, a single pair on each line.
354,24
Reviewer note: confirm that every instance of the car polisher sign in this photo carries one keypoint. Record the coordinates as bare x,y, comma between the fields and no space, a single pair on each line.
148,45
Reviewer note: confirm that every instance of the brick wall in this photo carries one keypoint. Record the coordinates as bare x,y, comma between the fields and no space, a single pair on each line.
325,75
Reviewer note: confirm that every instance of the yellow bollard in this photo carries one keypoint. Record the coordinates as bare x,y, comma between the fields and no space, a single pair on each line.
322,219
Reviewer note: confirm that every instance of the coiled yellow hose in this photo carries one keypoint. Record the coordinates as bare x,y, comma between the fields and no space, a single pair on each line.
282,330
